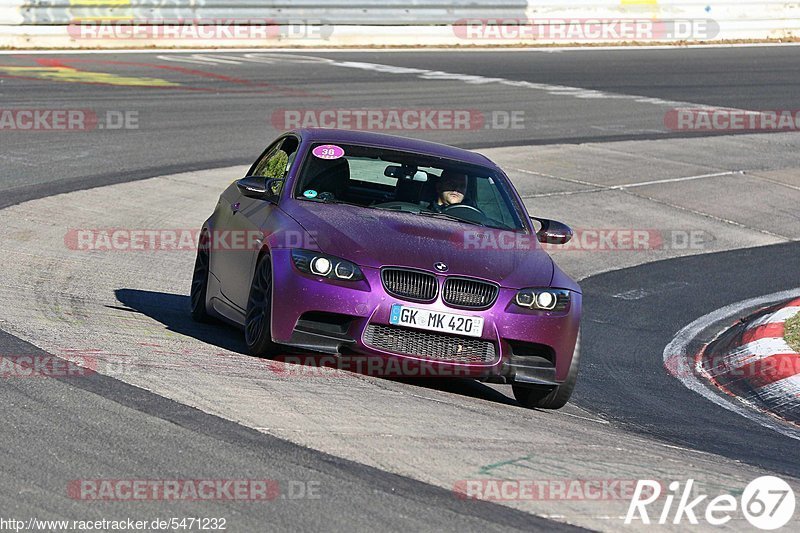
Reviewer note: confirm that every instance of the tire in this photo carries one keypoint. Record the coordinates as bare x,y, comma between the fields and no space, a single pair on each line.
199,289
258,316
534,397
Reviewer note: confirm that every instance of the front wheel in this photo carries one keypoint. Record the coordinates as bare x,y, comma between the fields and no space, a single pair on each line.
197,295
258,316
533,397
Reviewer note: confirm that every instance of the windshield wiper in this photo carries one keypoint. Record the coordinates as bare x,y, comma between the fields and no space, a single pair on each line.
450,217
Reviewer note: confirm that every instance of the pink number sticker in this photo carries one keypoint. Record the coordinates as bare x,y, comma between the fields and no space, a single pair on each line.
328,151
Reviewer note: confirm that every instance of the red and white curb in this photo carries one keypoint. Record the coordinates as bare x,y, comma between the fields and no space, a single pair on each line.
750,362
753,363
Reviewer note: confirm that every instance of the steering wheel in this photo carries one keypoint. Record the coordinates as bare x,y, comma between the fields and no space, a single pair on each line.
454,207
465,211
398,206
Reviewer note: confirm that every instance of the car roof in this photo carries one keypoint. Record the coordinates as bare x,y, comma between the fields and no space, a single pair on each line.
393,141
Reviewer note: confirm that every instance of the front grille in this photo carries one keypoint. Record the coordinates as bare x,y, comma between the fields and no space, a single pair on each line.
462,292
437,346
409,284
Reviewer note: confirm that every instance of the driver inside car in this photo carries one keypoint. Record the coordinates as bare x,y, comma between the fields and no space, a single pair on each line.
450,190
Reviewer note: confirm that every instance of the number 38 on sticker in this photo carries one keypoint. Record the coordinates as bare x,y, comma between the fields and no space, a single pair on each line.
328,151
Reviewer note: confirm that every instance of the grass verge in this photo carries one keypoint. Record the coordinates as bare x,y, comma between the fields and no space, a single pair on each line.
791,332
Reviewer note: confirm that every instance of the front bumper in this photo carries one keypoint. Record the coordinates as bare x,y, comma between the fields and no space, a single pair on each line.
338,317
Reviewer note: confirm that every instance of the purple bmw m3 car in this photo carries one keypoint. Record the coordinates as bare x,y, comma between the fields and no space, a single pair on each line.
361,244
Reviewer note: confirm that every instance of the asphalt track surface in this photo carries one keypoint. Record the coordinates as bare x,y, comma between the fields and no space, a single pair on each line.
210,122
625,332
98,427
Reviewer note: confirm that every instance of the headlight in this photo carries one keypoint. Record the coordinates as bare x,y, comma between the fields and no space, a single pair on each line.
543,299
325,265
321,266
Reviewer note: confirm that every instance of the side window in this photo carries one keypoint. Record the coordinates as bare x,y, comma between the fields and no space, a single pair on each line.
277,159
275,166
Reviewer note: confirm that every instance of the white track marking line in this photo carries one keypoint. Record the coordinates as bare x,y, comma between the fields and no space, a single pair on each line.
598,187
678,347
677,180
559,178
470,79
625,187
559,90
595,420
638,294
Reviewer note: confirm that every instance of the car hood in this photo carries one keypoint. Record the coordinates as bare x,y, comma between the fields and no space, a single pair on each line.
376,238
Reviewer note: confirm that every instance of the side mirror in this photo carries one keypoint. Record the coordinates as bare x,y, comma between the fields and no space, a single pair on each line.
260,188
553,232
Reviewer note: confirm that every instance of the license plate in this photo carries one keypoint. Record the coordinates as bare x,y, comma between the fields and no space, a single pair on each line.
471,326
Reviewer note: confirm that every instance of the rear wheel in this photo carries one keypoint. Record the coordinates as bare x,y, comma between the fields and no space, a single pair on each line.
258,316
533,397
197,294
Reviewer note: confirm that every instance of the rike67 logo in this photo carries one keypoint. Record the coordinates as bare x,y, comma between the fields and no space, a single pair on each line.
767,503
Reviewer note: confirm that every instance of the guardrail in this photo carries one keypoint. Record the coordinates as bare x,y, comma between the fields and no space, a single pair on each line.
108,23
362,12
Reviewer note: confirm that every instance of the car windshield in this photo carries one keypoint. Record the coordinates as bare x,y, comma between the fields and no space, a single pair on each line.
418,184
